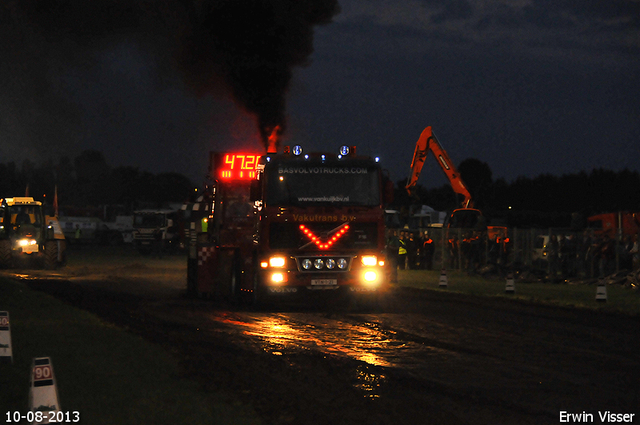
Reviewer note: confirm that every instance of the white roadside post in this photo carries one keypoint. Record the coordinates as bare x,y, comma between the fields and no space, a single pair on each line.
43,396
6,353
601,291
510,287
442,283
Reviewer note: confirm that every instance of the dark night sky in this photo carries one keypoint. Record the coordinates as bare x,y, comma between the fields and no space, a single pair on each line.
529,87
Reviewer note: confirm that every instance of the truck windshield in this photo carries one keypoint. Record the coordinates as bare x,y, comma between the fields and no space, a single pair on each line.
151,220
310,184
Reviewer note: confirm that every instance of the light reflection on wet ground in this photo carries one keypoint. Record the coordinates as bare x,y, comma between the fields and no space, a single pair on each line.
355,336
369,382
286,333
360,337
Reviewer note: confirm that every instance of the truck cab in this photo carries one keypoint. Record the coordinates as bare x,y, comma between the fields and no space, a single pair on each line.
154,228
293,223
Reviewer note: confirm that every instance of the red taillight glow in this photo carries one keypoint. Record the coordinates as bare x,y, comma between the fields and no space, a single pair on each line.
324,244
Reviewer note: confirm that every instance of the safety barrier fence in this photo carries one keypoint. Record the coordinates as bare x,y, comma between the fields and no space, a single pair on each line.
554,253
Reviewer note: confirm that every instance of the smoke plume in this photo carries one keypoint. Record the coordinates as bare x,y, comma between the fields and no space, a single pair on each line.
254,46
247,49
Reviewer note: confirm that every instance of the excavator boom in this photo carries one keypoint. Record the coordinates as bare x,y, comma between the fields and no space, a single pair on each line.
428,142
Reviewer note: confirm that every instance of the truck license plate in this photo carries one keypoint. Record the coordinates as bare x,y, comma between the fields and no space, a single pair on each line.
29,249
324,282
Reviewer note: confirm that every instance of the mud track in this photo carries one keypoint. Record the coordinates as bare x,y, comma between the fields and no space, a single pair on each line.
426,357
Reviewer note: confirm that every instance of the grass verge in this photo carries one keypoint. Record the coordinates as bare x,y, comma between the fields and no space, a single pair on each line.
103,372
619,299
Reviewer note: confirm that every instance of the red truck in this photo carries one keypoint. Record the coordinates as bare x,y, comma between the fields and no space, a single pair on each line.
290,224
627,223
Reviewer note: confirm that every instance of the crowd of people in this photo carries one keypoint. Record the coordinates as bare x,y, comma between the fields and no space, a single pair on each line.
567,256
594,255
409,250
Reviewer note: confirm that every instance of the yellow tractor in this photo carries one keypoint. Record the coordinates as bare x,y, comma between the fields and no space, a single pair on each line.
28,237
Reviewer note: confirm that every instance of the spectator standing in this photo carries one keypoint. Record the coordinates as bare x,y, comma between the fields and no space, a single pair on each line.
607,255
584,255
553,255
412,252
426,253
494,251
402,251
393,246
635,257
77,237
625,255
567,255
454,252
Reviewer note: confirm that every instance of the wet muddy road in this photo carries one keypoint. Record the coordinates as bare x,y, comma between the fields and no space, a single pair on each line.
425,357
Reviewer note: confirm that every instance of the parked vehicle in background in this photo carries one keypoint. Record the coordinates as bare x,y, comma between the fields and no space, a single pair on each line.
155,228
626,223
92,230
426,220
392,219
123,224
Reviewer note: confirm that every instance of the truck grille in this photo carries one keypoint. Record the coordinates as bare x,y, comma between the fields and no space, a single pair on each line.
310,264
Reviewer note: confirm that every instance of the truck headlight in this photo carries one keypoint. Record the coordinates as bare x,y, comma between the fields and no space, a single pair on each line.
277,278
306,264
277,262
369,260
342,263
330,264
370,276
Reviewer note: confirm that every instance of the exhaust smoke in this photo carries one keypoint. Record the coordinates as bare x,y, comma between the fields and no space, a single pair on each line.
243,49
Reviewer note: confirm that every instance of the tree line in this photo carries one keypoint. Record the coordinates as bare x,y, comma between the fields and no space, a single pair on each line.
88,181
542,201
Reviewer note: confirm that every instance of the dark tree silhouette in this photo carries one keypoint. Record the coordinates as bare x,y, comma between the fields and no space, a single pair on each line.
478,178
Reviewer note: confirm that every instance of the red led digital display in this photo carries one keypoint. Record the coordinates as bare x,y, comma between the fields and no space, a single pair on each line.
237,166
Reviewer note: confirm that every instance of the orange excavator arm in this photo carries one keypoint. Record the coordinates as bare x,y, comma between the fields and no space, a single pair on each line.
428,142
